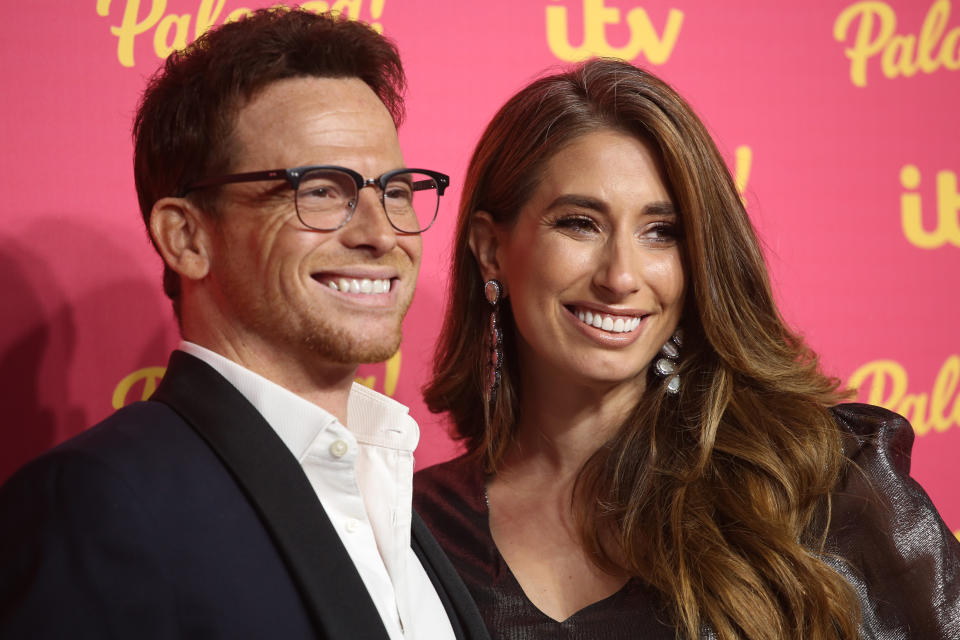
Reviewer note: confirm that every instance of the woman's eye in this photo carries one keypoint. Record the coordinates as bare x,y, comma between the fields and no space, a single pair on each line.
662,232
577,224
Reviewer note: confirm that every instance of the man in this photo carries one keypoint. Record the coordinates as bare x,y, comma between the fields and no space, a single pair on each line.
258,493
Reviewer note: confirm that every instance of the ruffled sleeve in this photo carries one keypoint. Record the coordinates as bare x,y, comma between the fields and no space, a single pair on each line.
886,537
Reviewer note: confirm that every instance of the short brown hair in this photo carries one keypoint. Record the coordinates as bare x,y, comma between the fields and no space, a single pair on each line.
182,131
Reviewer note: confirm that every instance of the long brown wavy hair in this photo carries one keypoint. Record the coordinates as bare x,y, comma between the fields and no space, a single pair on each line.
718,496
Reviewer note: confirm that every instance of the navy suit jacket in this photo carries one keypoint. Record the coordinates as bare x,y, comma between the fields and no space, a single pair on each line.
186,516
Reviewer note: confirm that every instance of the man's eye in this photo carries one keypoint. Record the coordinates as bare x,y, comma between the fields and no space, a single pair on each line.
321,190
400,193
316,192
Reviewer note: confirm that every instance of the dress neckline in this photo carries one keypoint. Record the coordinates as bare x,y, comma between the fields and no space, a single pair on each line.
503,570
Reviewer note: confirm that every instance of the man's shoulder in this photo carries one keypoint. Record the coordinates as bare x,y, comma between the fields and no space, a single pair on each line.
138,428
137,514
128,447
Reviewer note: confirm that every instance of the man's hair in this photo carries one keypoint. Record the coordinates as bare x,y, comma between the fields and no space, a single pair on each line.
184,123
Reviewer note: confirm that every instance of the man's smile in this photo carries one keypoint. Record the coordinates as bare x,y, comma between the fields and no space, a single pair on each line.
360,285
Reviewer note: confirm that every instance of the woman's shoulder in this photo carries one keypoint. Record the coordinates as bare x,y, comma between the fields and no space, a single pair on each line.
871,432
886,536
458,473
457,484
451,499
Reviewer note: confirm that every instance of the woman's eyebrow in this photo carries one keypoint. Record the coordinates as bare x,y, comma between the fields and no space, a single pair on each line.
657,208
576,200
660,208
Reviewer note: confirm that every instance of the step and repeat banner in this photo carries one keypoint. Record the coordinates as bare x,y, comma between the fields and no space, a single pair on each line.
838,119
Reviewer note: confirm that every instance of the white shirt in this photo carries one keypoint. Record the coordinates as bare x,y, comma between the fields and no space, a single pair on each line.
363,476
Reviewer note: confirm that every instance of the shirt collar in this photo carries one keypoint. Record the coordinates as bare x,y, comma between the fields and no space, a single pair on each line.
372,418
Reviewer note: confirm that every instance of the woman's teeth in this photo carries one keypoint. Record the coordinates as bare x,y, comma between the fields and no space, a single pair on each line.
363,285
613,324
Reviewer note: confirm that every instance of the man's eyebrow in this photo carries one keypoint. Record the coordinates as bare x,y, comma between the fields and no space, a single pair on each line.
657,208
278,190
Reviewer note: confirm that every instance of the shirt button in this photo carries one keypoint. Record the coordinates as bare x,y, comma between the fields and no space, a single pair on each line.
338,448
352,525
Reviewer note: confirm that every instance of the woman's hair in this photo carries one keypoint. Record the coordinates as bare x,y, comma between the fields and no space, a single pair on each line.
719,496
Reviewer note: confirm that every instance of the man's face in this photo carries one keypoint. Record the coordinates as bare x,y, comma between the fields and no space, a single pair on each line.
270,276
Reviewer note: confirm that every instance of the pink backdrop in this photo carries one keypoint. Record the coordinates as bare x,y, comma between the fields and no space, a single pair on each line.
839,118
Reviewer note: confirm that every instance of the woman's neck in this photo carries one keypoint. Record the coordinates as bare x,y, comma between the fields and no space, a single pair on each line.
532,517
563,423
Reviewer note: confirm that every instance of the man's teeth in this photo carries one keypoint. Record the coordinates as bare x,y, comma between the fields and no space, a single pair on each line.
363,285
614,324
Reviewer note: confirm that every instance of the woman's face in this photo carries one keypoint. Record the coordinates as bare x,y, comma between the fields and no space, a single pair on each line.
592,266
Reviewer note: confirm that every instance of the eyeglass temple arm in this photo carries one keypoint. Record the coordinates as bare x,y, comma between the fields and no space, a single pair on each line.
253,176
440,181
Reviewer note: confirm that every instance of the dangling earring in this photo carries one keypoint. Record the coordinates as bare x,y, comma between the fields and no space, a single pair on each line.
666,367
492,289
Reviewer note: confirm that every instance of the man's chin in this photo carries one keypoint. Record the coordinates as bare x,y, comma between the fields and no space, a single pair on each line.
372,356
353,352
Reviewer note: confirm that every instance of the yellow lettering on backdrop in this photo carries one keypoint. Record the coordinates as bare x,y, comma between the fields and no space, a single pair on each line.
236,14
172,31
161,37
948,210
149,375
900,55
130,27
743,160
643,36
390,376
886,385
207,15
349,7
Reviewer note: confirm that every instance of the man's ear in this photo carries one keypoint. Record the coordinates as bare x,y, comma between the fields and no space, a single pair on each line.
485,244
180,232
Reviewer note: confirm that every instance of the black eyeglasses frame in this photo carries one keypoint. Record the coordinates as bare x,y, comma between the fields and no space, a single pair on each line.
294,175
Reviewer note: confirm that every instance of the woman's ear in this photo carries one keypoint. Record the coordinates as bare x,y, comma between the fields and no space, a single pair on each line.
485,244
180,233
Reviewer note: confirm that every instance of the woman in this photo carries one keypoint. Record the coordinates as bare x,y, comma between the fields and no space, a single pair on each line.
650,450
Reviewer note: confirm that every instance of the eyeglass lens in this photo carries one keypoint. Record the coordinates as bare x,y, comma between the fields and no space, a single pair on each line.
325,198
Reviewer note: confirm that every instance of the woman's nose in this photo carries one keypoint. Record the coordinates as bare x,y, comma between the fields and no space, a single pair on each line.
618,271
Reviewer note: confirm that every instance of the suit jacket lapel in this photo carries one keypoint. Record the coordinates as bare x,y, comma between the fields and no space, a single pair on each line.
461,609
333,592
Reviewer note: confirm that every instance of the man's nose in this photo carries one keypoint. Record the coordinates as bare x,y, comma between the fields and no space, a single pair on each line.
369,227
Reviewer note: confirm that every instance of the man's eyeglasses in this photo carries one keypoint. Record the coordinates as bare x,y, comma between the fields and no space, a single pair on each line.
325,196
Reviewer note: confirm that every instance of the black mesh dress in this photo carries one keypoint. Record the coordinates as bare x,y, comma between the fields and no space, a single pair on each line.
892,546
